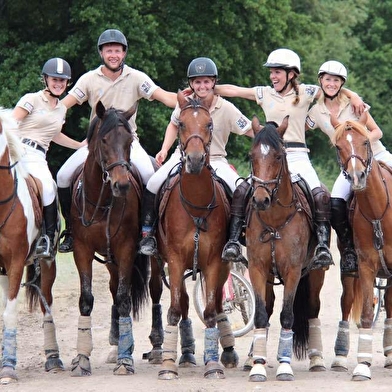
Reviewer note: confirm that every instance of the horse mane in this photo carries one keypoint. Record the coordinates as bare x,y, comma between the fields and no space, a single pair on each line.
347,126
269,136
110,120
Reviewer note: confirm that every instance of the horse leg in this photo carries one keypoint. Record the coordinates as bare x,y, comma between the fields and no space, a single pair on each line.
187,340
342,342
315,344
387,338
365,339
229,356
113,335
156,334
53,362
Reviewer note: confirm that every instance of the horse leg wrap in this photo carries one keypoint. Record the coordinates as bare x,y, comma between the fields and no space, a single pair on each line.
156,335
285,349
84,343
170,343
187,339
211,336
113,334
365,346
125,340
342,343
260,345
227,339
50,343
9,348
315,343
387,338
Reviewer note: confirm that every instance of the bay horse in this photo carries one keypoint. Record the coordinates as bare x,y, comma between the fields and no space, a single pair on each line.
371,219
192,231
105,220
20,229
280,244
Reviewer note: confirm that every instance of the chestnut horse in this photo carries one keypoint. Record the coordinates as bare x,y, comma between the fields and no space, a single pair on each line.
192,231
105,220
371,218
20,228
280,244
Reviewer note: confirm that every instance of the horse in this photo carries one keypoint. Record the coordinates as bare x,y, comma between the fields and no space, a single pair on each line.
280,243
192,231
105,211
371,220
21,217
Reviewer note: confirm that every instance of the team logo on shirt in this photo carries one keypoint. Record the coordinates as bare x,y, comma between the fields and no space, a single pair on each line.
145,87
28,106
310,90
309,121
79,93
241,122
259,93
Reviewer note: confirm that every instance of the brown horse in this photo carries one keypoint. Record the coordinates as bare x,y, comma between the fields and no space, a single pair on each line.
105,220
191,234
280,244
20,223
371,218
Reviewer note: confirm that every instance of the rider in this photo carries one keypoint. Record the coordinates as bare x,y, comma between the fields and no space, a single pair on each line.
332,75
40,117
116,85
285,97
202,76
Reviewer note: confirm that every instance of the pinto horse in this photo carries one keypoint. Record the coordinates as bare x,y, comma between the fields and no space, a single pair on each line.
20,229
105,220
371,218
192,231
280,244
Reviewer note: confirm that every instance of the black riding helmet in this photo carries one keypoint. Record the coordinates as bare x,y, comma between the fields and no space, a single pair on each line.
112,36
202,66
56,68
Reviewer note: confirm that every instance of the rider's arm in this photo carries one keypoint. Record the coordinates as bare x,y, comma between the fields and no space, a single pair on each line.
170,137
166,97
230,90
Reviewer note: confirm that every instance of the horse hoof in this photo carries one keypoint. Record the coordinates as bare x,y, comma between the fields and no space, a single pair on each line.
339,364
169,371
214,371
187,360
8,376
318,369
80,366
317,364
284,372
112,356
124,367
229,359
258,373
54,364
341,369
361,373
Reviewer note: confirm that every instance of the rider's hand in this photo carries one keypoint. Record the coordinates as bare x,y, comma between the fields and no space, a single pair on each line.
160,157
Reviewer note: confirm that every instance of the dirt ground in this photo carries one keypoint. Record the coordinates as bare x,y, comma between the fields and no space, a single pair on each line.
32,376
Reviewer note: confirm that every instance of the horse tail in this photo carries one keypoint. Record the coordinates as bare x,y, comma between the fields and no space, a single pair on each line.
301,323
33,280
139,284
356,308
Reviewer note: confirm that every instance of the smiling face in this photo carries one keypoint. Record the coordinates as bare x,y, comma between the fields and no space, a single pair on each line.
331,84
113,56
279,78
56,86
202,85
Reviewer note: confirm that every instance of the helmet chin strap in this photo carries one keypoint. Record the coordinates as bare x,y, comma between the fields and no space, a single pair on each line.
119,68
288,81
331,97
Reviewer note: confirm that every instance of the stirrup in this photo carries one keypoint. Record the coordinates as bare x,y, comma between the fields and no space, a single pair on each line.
42,248
148,246
67,245
322,258
232,252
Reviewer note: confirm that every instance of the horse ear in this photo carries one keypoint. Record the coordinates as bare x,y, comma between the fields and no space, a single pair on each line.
100,109
283,126
130,112
256,126
182,101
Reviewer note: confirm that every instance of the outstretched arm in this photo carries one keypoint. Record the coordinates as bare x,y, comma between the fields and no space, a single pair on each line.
230,90
356,102
166,97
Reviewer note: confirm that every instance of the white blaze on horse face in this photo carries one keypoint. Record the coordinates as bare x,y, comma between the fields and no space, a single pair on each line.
353,159
264,149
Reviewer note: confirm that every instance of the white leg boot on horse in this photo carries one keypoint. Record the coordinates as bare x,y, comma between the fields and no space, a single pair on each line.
232,249
387,343
323,256
341,225
65,199
315,346
229,356
45,244
364,355
148,244
258,372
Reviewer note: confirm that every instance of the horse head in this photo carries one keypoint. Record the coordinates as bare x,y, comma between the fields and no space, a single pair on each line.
195,131
109,140
354,152
268,160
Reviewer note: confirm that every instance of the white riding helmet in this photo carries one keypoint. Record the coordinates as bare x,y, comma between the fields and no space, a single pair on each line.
284,58
333,67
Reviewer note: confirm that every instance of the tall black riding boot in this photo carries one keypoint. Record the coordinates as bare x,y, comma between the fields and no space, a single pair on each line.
65,199
148,244
45,244
232,249
322,201
341,224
